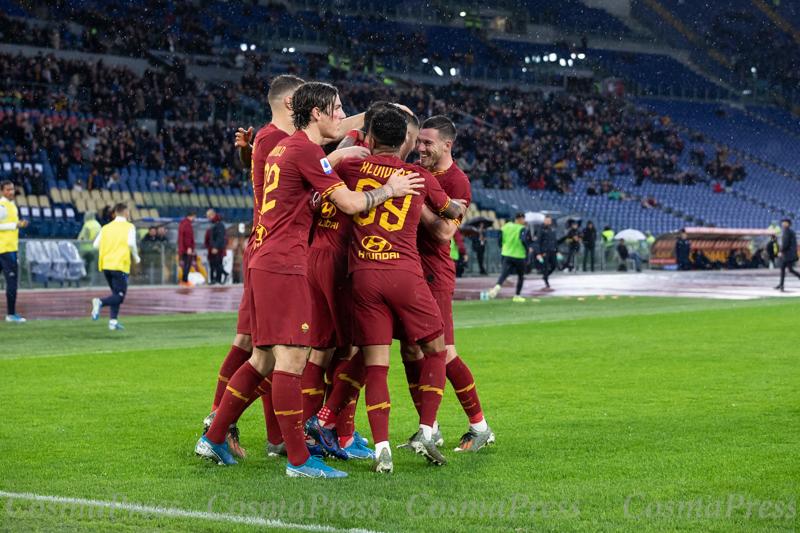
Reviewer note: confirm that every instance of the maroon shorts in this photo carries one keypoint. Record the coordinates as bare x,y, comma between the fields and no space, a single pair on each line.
382,296
281,307
331,299
444,300
245,312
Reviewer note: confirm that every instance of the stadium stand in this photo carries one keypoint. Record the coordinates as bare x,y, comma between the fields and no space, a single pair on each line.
739,37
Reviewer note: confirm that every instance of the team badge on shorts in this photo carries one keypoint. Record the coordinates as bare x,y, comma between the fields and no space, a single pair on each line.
326,165
304,327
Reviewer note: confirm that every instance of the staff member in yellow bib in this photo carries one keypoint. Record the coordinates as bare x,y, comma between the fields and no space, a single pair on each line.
9,237
117,243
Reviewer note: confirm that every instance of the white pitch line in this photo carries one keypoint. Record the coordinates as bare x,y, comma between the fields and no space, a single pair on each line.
173,513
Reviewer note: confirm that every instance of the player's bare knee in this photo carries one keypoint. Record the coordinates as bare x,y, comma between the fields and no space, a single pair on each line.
321,356
379,355
262,360
410,352
245,342
290,359
434,346
451,353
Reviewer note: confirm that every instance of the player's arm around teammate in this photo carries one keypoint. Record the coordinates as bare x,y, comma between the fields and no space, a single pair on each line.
441,228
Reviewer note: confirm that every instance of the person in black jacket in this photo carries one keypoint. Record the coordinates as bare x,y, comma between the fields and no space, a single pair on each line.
772,251
547,249
217,244
573,238
479,246
683,250
588,237
788,253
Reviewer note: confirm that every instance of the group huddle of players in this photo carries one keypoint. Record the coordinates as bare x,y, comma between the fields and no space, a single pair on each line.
377,268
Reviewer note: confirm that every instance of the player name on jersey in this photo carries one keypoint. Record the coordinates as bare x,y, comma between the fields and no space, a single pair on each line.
380,171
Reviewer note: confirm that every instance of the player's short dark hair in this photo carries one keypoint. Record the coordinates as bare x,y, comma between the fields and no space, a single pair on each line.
389,127
309,96
787,221
442,124
412,120
373,108
191,213
519,215
4,183
282,86
120,208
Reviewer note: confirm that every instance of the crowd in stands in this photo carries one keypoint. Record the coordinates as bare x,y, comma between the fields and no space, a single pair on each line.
121,28
110,92
529,140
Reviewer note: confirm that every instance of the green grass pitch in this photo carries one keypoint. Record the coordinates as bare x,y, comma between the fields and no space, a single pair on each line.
655,401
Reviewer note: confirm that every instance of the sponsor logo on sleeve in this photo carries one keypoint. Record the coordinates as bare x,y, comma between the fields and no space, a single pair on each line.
326,165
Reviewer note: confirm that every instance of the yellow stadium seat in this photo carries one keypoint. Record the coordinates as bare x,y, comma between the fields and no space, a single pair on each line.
21,201
80,206
44,201
126,196
116,196
138,198
33,201
96,194
154,212
55,195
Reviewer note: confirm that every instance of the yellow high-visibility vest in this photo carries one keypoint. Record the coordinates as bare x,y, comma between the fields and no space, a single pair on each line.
115,254
9,240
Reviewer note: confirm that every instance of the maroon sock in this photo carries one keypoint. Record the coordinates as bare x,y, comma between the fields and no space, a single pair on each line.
313,385
461,378
287,400
238,392
329,377
261,389
378,403
236,357
345,424
413,373
274,435
431,386
348,381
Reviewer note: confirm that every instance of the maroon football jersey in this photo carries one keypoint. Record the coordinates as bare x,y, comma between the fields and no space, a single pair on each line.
333,230
294,169
266,139
384,238
437,265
